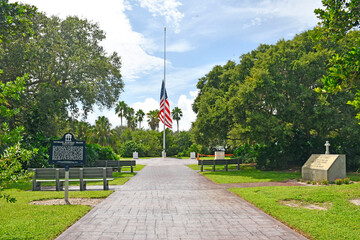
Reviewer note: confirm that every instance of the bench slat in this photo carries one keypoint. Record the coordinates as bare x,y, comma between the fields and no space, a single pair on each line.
82,175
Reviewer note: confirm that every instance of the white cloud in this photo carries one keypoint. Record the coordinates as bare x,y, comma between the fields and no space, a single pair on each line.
148,105
165,8
109,113
120,36
181,46
185,104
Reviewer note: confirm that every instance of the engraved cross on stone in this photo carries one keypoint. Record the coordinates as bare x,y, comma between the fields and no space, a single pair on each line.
327,145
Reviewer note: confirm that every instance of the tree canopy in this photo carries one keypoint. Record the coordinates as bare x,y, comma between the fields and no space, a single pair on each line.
269,99
337,21
66,67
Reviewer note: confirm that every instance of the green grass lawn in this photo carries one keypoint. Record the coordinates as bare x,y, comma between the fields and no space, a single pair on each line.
340,221
20,220
354,176
245,175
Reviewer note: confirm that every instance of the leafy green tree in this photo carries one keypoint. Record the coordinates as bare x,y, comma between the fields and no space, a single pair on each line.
338,17
177,115
269,100
212,124
64,61
336,20
140,117
14,20
13,23
121,109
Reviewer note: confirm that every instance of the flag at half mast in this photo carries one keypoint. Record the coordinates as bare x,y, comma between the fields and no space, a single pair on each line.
164,101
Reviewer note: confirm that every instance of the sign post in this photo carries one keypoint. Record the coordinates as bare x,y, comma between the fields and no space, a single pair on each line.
67,152
67,184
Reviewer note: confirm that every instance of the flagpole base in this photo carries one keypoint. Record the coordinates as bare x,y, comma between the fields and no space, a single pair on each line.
163,154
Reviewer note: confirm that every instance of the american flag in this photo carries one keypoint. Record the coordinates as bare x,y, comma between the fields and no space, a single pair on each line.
168,120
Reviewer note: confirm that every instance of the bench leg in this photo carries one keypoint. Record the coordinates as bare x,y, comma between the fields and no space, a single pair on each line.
202,167
132,169
36,186
106,185
226,167
61,186
214,168
58,186
83,186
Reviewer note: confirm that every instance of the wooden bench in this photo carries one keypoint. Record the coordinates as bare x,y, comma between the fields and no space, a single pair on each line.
82,175
225,162
117,164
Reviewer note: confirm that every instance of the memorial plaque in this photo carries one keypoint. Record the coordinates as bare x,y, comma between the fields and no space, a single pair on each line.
67,151
324,167
192,155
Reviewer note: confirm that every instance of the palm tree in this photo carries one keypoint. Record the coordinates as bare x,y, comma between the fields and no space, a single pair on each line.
140,117
153,119
131,120
176,115
121,109
83,130
102,132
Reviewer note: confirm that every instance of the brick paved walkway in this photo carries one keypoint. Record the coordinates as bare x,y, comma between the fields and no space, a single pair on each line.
167,200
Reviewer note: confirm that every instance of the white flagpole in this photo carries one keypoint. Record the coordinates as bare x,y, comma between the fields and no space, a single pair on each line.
164,152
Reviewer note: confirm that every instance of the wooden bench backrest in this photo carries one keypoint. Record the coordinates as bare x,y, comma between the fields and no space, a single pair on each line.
44,173
50,173
219,162
114,163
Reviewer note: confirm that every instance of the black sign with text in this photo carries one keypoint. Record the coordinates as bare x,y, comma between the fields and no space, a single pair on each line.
67,151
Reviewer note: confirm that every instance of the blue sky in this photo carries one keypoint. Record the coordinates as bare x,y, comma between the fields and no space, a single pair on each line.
200,34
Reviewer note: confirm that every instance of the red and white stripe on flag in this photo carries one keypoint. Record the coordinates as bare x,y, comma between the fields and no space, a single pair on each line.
168,120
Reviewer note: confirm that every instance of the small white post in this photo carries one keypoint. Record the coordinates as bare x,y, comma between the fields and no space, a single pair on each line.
327,145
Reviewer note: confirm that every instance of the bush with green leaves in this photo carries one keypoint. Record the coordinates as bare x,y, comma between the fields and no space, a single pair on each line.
338,181
11,169
129,147
248,153
95,152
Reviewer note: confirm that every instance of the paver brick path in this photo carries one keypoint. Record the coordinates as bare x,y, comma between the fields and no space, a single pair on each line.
167,200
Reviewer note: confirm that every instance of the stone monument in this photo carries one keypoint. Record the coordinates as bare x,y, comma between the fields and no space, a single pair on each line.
135,155
219,155
324,166
192,155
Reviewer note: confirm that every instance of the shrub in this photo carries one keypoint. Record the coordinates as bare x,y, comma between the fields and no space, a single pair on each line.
127,149
313,182
346,180
95,152
325,182
338,181
41,158
308,181
248,153
271,157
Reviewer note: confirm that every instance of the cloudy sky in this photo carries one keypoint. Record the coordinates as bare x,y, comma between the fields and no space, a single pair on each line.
200,34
